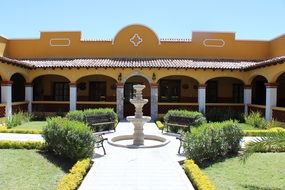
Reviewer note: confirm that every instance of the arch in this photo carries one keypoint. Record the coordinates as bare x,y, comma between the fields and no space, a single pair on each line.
96,87
210,77
278,75
136,29
137,73
224,90
51,87
18,87
129,92
251,78
259,90
178,88
281,90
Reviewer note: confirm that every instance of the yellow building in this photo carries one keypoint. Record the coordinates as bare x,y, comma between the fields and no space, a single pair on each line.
60,72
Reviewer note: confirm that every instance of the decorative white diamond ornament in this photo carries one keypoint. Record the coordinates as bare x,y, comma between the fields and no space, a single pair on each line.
136,40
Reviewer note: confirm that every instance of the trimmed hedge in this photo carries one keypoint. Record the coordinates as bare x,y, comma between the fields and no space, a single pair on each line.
262,132
212,140
195,116
159,125
7,144
70,139
21,131
75,176
79,115
197,177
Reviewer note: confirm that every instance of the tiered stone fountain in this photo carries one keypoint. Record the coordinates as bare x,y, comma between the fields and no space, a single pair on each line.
138,137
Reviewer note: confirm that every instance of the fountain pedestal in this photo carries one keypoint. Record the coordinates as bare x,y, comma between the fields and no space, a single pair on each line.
138,120
140,140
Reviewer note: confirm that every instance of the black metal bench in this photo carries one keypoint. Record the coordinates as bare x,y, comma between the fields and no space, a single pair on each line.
99,122
178,121
100,140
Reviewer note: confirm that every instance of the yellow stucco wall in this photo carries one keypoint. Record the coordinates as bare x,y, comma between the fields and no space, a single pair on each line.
202,45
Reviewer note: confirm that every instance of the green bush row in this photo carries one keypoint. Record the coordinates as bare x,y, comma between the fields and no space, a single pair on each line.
7,144
70,139
75,176
212,140
22,131
17,119
195,117
197,177
79,115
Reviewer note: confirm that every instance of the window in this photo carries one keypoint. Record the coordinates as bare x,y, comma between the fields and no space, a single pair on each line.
61,91
170,90
237,93
212,92
97,91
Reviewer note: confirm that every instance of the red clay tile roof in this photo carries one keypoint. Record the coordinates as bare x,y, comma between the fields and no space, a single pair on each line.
144,63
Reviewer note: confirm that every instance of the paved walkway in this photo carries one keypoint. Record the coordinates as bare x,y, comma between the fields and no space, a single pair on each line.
137,169
131,169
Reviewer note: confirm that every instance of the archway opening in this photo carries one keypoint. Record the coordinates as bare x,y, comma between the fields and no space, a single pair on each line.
129,108
281,91
18,87
96,91
51,88
224,90
50,94
177,92
259,90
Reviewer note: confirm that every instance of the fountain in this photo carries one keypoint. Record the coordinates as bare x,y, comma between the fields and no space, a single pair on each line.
138,120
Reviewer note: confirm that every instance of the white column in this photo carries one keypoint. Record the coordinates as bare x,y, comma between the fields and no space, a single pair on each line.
247,93
120,100
271,99
202,98
6,96
154,101
72,96
29,95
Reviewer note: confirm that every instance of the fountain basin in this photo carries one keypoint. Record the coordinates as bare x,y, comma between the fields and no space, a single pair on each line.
150,141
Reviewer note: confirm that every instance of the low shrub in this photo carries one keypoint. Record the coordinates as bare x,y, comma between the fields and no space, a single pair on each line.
194,118
215,114
79,115
159,125
70,139
212,140
76,115
75,176
7,144
17,119
197,177
256,120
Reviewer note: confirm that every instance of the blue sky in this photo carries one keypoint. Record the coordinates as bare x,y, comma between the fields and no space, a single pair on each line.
250,19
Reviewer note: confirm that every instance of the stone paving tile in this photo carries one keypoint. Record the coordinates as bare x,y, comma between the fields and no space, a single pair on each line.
137,169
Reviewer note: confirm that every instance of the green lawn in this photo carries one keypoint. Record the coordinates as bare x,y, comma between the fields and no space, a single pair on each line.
30,170
262,171
32,125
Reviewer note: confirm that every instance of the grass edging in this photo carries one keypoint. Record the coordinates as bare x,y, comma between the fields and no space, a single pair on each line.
197,177
259,132
8,144
76,174
21,131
